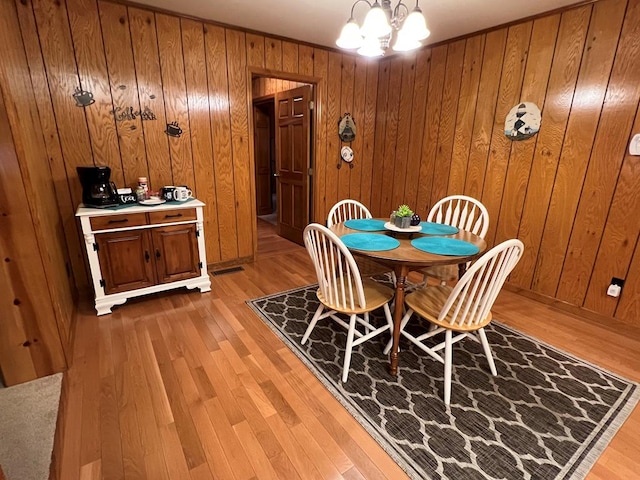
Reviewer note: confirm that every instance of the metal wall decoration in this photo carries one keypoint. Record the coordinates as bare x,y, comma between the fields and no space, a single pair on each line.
82,97
173,130
347,128
347,133
523,121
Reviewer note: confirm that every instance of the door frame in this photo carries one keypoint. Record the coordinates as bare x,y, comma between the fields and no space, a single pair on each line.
316,82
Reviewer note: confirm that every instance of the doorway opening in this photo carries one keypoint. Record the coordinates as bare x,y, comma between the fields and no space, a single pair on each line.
283,133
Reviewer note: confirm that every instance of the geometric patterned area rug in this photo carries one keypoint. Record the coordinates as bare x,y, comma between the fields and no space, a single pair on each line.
546,415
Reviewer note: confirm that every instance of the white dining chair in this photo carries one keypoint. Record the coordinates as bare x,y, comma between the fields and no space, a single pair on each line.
463,310
460,211
347,210
342,290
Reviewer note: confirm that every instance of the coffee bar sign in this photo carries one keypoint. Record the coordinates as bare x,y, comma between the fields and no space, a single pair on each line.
84,98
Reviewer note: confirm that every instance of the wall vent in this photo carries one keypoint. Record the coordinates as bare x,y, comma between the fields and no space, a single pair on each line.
228,270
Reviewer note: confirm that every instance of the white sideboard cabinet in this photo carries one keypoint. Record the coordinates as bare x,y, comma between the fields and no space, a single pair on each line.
137,250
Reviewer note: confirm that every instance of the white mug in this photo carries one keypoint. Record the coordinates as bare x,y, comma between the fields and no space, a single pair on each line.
182,194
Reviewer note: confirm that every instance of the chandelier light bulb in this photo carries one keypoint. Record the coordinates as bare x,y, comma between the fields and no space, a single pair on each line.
382,26
415,25
350,37
405,43
375,23
371,47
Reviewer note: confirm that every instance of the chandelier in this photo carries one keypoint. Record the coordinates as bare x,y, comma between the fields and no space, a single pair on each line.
374,37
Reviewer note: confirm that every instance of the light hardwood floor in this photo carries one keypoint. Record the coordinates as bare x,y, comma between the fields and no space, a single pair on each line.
194,386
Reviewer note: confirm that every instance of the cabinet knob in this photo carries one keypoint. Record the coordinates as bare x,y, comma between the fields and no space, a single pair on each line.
146,256
157,253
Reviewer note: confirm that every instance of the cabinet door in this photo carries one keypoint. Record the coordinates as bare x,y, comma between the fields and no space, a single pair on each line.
125,260
176,252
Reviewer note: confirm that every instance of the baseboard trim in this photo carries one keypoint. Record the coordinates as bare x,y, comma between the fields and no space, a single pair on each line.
560,305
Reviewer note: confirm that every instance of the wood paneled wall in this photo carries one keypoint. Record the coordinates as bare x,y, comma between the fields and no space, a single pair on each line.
36,295
429,124
184,71
571,192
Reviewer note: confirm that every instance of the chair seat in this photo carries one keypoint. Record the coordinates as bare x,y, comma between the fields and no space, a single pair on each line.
428,302
376,295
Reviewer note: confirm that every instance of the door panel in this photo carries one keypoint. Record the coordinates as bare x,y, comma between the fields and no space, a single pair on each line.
293,134
125,259
262,151
176,253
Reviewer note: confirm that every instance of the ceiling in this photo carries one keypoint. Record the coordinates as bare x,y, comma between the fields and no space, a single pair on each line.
320,21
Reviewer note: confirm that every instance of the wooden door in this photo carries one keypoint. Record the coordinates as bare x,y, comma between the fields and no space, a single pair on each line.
292,161
176,253
125,260
262,149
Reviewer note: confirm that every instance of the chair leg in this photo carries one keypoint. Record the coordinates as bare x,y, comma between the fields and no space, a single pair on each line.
487,351
403,323
311,326
347,353
447,367
367,327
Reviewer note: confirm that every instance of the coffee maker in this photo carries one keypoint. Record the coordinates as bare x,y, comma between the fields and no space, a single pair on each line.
97,190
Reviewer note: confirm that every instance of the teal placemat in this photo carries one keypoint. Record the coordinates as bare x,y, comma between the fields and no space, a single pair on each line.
365,224
432,228
370,242
445,246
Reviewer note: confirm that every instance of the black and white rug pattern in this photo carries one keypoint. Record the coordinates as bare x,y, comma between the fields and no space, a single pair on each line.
547,415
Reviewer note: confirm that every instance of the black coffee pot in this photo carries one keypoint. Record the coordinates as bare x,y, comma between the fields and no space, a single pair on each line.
97,190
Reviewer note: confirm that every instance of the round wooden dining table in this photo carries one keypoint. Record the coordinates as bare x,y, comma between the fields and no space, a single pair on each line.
406,258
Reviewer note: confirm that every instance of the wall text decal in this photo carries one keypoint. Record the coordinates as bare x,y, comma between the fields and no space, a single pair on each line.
129,113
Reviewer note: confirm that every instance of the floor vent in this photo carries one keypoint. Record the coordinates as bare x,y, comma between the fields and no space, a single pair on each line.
228,270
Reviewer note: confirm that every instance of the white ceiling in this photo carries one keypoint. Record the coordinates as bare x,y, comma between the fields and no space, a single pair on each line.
320,21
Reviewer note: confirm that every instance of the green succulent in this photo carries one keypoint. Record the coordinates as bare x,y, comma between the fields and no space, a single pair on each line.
404,211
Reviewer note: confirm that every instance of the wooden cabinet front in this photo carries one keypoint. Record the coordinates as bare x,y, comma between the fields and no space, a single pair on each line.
176,252
141,250
125,260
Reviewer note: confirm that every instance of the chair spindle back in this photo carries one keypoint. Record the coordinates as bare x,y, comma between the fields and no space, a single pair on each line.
465,213
347,210
338,275
473,296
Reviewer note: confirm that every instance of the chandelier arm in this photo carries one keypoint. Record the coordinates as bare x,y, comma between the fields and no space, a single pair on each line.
357,2
396,13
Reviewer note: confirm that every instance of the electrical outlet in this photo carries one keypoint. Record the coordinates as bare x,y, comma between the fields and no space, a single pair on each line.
615,287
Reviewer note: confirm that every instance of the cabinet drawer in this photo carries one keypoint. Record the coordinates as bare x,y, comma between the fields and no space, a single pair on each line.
118,221
177,215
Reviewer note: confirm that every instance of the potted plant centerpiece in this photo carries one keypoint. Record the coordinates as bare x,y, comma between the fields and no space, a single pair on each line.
402,216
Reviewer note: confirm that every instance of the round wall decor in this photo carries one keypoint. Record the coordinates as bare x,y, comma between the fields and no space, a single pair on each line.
523,121
347,154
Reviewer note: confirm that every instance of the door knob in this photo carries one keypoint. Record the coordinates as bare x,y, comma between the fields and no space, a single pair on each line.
276,174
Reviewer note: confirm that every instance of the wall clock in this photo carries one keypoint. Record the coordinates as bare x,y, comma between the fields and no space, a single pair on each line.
523,121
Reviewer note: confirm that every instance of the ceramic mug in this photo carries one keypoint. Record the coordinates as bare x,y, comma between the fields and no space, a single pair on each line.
168,192
181,194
